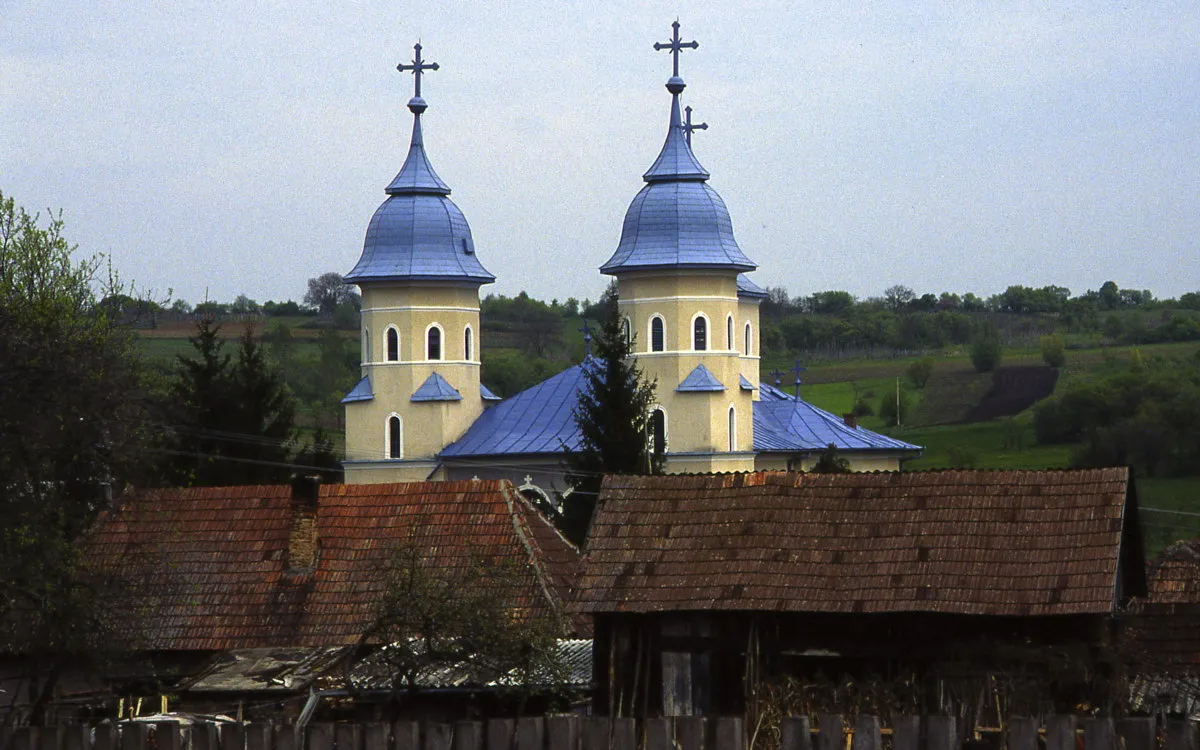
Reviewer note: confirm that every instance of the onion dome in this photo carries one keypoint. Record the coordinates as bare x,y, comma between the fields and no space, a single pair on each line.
677,220
418,234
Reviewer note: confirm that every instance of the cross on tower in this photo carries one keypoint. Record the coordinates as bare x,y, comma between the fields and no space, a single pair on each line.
796,368
586,330
675,46
688,127
778,377
418,67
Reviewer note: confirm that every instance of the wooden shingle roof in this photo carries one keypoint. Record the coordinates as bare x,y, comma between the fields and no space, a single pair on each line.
216,558
967,542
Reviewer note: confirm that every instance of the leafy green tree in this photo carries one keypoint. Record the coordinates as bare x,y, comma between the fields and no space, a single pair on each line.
264,418
1054,349
920,371
613,418
830,462
894,407
75,430
327,291
320,456
986,350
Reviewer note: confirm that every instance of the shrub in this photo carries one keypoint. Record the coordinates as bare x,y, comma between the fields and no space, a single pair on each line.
919,372
1054,350
986,351
962,457
892,410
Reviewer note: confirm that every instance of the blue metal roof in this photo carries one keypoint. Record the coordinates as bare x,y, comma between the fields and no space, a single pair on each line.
745,384
435,388
699,380
487,394
783,423
360,392
747,288
538,420
418,233
677,220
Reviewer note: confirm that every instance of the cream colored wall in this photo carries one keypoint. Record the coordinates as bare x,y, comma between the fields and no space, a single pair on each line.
748,313
427,426
385,472
858,461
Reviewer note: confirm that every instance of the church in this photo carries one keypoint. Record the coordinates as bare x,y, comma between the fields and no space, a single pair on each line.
421,412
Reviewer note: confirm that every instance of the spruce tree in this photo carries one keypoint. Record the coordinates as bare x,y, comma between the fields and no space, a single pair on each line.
612,416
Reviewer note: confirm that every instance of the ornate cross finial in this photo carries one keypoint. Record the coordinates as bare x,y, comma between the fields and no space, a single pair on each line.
418,67
778,377
796,368
675,46
586,330
688,127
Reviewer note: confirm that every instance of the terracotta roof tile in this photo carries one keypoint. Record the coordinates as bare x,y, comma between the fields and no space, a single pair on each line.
974,542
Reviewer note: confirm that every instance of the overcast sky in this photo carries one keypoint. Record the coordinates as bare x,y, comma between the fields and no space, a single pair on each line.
241,147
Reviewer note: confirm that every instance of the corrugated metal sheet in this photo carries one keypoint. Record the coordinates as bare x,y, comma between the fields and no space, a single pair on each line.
966,542
216,557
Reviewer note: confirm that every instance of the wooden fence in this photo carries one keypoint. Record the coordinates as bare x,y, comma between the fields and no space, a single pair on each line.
586,733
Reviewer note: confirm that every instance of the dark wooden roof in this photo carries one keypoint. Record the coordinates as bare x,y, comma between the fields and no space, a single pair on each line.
214,561
1164,633
968,542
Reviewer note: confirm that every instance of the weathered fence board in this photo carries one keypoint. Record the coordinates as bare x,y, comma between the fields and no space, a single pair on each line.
906,733
1022,733
1180,734
795,734
407,735
1139,733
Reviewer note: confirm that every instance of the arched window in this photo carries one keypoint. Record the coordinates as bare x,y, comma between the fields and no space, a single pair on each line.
395,444
729,333
749,340
433,342
656,334
467,343
627,330
393,345
658,432
732,430
366,345
700,333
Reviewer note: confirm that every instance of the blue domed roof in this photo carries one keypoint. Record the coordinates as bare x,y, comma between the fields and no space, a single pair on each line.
418,234
677,220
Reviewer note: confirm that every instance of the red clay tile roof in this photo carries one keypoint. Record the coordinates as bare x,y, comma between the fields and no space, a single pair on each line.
1174,576
970,542
1164,633
218,556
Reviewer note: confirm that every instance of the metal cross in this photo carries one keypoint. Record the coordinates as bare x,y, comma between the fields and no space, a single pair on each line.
688,127
778,377
418,67
796,368
675,46
586,330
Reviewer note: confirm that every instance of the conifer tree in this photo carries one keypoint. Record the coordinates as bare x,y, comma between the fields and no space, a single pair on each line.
612,416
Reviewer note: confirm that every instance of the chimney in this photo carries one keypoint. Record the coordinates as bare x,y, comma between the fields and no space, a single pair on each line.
302,540
850,420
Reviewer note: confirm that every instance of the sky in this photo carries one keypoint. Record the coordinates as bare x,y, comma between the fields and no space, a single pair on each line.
228,147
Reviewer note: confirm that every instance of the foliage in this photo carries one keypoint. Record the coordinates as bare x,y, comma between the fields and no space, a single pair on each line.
920,371
75,429
830,462
986,350
319,456
894,407
474,617
1054,349
329,291
613,417
962,457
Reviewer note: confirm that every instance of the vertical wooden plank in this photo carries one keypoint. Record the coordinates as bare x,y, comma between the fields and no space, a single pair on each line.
167,736
531,733
258,737
1099,733
133,736
940,733
1023,733
438,736
906,733
501,734
376,735
49,738
468,735
233,737
346,736
76,737
407,735
25,738
286,737
562,732
658,734
1060,732
204,736
1139,733
1179,734
319,737
596,733
729,734
831,735
794,734
689,732
866,734
624,734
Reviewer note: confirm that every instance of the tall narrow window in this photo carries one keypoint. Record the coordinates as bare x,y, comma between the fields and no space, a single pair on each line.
656,334
433,343
749,340
625,329
658,432
366,345
394,448
393,345
467,343
732,430
729,333
700,334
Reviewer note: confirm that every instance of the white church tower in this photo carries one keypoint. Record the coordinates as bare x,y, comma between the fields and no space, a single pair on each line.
420,282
